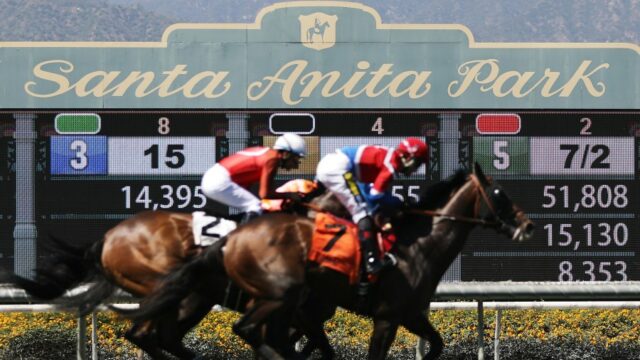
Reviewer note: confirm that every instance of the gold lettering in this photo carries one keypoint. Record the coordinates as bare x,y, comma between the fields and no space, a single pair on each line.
378,75
209,91
99,90
580,76
472,71
552,77
164,89
486,73
295,68
315,78
515,89
347,89
60,80
145,79
355,79
419,83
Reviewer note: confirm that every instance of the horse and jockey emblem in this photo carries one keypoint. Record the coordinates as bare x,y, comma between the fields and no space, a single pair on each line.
318,30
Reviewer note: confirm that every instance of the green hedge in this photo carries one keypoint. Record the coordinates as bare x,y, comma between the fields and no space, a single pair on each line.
526,334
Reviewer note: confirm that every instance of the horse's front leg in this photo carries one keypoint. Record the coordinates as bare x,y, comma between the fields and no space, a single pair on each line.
419,324
384,332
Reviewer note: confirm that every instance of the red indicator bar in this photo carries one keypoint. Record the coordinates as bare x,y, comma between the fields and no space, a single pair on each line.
498,124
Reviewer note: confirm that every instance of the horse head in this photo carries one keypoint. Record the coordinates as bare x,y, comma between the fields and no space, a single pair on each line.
463,201
497,210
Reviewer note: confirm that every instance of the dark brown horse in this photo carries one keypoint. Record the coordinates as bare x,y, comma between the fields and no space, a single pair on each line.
268,259
273,269
134,256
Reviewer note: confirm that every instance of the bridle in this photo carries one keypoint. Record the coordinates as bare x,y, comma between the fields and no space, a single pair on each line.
483,198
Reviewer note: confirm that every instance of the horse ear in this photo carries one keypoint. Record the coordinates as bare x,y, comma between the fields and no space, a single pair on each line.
477,170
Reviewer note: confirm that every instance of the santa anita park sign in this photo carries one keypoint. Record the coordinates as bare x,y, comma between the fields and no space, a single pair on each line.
319,55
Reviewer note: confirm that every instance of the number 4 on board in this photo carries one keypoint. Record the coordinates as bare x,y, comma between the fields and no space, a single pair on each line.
377,126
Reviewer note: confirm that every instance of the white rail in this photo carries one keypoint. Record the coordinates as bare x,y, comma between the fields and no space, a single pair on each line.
458,296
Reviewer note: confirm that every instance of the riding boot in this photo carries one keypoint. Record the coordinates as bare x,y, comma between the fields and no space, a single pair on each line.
369,244
248,216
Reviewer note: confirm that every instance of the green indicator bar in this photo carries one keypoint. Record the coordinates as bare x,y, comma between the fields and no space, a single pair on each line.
74,124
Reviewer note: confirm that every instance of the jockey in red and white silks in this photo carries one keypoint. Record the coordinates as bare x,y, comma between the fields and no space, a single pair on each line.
375,165
227,181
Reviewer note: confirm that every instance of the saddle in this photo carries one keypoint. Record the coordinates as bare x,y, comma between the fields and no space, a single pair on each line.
335,245
208,229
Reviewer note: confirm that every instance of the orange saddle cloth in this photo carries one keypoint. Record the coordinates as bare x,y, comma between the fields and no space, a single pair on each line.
335,245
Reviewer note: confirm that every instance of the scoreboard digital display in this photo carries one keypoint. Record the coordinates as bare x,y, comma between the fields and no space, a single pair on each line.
102,167
7,189
575,175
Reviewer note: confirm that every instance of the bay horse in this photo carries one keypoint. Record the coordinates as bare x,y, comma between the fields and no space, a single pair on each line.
133,256
268,259
272,267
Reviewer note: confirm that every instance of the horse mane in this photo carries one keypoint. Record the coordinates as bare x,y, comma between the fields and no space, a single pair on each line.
437,195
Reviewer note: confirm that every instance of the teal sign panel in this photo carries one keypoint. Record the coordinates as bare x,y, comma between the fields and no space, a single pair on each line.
319,54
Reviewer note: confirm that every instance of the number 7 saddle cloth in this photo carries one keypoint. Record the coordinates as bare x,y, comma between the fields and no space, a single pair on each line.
335,245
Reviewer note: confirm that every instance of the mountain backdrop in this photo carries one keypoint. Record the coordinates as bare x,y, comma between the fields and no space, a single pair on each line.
489,20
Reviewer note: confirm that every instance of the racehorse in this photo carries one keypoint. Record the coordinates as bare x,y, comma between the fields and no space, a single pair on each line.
133,255
267,258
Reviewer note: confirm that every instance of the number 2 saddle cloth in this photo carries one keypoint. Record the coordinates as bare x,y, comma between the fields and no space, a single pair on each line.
208,229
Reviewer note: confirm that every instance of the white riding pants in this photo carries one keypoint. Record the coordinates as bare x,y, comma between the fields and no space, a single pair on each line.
217,185
330,173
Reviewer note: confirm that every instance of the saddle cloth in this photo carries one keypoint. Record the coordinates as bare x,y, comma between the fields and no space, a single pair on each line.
208,229
335,245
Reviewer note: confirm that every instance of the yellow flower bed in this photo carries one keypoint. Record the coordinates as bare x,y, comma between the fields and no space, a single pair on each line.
604,327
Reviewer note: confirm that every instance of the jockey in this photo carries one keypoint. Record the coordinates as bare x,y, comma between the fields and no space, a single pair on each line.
375,165
227,181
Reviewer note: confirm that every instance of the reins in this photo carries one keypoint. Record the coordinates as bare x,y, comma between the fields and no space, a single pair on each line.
452,217
466,219
432,213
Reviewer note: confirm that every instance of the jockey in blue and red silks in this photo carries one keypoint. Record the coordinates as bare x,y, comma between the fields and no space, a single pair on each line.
341,171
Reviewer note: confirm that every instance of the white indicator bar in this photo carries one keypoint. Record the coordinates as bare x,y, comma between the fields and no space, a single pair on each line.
582,156
161,155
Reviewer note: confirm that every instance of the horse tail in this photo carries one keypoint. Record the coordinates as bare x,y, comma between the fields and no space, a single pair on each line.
68,267
99,286
187,278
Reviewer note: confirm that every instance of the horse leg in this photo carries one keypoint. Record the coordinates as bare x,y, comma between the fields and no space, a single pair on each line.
384,332
419,324
173,328
310,319
249,327
279,324
142,336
